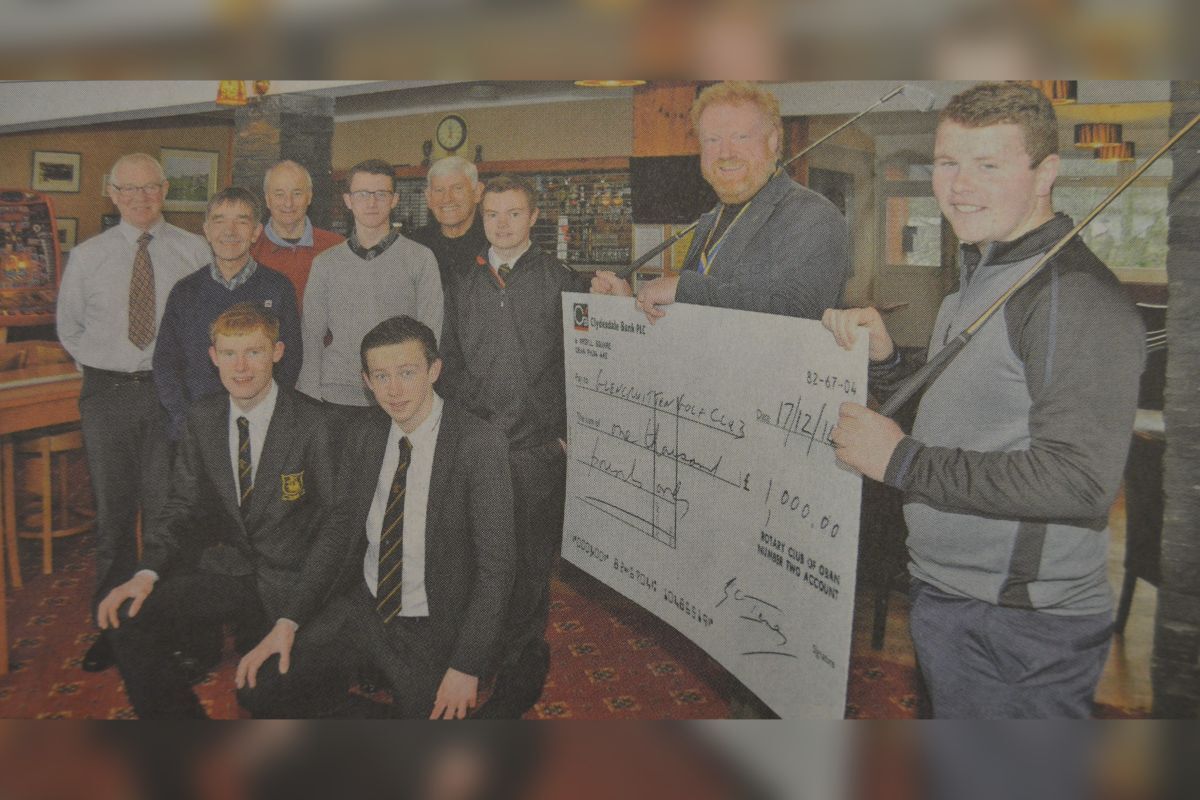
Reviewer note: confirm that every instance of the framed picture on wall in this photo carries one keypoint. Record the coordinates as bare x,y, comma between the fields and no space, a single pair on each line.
193,178
55,172
68,228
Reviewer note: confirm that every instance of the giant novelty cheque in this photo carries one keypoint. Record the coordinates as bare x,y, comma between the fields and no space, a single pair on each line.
702,484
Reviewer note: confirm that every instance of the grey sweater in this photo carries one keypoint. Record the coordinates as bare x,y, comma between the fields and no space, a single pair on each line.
1018,447
346,296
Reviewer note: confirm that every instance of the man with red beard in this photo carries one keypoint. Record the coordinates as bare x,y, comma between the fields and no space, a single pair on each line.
770,245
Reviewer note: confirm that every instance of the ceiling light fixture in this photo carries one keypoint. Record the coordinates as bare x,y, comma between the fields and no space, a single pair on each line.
231,93
618,84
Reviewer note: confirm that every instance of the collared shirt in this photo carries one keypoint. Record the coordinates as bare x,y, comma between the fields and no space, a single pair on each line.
244,274
496,261
367,253
260,420
414,602
93,301
305,240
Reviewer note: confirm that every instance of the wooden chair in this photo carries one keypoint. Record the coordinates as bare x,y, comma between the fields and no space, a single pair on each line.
43,452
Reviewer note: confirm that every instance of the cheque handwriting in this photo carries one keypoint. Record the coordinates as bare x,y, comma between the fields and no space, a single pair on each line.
758,611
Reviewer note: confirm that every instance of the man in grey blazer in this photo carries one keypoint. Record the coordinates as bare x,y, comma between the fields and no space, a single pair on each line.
256,463
770,245
418,550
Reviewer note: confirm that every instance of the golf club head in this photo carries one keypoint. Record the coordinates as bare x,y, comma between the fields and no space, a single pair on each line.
918,98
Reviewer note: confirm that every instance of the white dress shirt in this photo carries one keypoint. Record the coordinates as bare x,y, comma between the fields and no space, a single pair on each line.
93,301
413,600
495,261
260,420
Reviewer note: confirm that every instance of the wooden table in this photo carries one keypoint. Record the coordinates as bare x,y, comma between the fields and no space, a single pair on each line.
35,397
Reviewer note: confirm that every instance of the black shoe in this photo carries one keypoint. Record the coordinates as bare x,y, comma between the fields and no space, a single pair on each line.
195,668
99,656
509,700
518,687
498,706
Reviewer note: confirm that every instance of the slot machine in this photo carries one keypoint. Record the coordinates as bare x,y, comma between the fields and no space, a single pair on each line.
30,258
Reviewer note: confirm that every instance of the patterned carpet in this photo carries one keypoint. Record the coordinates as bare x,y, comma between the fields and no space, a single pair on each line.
610,659
49,628
605,665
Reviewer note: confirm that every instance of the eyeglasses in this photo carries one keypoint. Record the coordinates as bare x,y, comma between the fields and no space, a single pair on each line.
362,195
150,189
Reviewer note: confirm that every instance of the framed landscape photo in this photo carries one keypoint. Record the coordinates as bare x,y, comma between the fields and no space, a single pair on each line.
193,178
67,230
55,172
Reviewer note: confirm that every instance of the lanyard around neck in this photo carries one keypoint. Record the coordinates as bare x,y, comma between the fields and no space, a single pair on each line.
707,255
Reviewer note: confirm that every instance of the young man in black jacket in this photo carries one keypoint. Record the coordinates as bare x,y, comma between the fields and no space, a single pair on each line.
503,350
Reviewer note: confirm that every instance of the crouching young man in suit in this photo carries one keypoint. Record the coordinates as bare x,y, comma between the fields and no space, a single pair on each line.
418,550
258,461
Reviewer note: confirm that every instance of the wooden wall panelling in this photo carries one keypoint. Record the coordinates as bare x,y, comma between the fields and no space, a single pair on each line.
661,126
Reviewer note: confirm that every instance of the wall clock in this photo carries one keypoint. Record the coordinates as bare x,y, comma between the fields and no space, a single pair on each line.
451,132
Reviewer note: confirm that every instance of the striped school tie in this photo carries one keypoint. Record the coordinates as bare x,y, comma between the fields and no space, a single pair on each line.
391,540
245,473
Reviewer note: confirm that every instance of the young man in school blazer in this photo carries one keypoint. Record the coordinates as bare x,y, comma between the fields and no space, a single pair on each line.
419,550
257,460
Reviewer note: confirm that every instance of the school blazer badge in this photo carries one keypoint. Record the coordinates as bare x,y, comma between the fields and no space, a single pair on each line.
293,485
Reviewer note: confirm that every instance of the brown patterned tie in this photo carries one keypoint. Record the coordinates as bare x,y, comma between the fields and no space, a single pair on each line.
391,540
141,296
504,270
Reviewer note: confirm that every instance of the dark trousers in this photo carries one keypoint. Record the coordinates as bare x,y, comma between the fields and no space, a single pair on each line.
983,661
179,608
539,483
330,651
124,434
